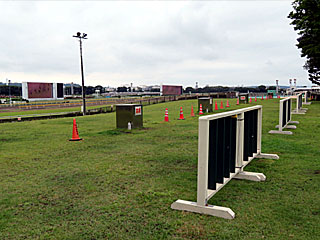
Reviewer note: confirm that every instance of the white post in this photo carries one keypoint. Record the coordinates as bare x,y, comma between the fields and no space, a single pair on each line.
281,114
54,91
203,154
259,131
239,140
306,98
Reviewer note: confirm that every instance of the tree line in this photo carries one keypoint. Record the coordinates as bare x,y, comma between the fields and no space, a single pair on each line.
16,90
209,89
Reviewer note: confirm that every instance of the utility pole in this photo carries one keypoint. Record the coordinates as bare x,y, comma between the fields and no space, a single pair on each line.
8,82
82,75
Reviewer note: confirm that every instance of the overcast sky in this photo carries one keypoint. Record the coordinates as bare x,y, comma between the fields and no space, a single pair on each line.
230,43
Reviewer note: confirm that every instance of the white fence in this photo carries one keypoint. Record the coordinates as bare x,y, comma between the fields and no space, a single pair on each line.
227,143
285,117
299,109
305,96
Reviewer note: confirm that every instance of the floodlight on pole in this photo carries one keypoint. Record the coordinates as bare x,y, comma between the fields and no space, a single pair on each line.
8,82
84,35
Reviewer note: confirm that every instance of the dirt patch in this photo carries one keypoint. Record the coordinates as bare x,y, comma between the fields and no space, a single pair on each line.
269,161
309,171
114,132
191,231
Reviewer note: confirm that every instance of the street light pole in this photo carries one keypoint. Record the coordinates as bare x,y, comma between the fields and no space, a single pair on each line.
82,77
8,80
82,74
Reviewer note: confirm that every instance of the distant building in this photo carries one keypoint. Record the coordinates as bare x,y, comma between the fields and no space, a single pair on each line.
110,89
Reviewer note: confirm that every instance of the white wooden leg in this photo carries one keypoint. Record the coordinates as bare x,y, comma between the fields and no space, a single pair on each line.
267,156
216,211
280,132
295,112
251,176
294,122
288,126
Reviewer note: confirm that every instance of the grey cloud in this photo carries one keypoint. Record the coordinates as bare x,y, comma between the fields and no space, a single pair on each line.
152,41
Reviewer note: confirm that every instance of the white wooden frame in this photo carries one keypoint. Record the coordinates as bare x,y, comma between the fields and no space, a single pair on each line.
299,110
203,193
305,102
280,127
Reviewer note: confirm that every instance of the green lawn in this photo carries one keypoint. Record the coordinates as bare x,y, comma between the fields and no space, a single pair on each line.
24,112
120,185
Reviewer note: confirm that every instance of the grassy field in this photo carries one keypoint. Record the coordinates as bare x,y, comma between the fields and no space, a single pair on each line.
120,184
22,112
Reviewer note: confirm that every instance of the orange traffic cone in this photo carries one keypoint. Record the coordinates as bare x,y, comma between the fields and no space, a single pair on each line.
166,116
237,101
255,99
221,106
278,96
216,106
192,112
228,103
262,97
200,111
181,114
250,100
75,134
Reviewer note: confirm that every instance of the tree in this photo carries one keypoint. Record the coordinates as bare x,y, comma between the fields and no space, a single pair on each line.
189,89
100,88
14,90
89,90
122,89
262,88
306,20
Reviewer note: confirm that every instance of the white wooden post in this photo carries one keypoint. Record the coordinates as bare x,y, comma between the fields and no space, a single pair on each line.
203,154
281,114
306,98
259,130
239,140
